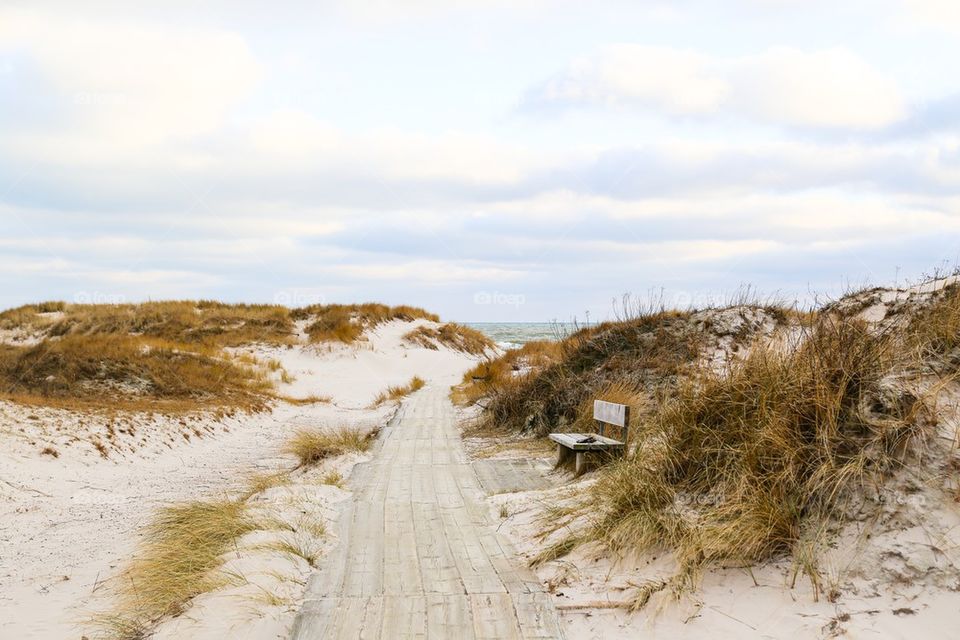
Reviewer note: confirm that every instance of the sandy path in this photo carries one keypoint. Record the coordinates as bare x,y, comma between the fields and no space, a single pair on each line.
420,556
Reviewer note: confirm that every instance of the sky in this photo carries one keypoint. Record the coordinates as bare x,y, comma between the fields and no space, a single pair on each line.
524,160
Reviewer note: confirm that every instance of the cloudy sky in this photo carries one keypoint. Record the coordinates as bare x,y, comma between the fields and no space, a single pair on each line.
487,159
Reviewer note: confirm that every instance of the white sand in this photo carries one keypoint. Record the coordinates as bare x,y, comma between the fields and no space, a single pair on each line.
897,576
68,524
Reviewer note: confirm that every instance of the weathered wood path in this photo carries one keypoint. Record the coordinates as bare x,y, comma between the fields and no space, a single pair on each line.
418,555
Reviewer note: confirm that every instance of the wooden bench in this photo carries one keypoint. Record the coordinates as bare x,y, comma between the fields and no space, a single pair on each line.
587,448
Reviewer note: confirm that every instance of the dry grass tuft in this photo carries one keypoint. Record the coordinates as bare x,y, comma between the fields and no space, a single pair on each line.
454,336
297,545
307,400
177,561
260,482
494,374
396,393
935,330
312,446
347,323
333,478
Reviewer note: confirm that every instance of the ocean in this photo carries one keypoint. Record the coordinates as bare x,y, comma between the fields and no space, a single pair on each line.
509,335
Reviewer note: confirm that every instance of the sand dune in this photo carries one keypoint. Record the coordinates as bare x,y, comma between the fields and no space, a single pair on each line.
69,523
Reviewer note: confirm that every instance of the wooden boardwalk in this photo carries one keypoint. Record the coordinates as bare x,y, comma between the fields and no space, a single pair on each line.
418,555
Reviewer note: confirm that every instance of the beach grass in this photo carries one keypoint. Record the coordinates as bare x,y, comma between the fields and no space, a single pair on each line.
311,446
394,393
496,373
453,336
128,372
177,561
347,323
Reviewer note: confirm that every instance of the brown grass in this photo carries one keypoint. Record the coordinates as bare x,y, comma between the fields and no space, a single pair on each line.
347,323
935,330
312,446
29,316
126,372
648,351
313,399
396,393
493,374
177,561
166,356
453,336
193,322
743,465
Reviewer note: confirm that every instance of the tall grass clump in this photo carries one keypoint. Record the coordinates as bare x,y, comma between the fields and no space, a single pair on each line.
399,391
494,373
177,561
311,446
31,317
451,335
742,465
347,323
935,329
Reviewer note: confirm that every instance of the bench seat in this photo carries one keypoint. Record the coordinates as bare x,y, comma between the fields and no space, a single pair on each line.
586,454
572,441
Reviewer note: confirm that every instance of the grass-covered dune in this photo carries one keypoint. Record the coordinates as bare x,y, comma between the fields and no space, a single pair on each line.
544,386
178,355
754,424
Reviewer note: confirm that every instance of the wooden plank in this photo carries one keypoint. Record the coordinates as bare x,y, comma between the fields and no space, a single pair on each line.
404,618
437,565
508,476
349,617
449,616
494,617
314,618
611,413
401,569
538,620
364,574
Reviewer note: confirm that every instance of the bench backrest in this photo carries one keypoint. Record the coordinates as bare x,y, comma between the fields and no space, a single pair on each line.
612,413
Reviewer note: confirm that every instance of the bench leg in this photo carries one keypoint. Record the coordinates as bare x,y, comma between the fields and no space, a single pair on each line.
563,455
582,464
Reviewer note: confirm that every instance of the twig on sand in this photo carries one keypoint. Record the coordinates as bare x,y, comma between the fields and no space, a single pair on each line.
732,618
20,487
594,604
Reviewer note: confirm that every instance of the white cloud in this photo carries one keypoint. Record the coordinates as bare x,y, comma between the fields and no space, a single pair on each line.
431,271
123,85
825,88
679,82
828,88
936,13
294,139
